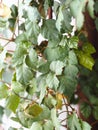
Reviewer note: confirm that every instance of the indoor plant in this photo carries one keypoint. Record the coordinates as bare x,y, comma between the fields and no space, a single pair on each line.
43,75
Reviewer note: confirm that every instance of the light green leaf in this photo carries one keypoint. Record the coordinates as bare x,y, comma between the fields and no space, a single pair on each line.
22,38
42,86
18,55
78,5
50,33
17,87
90,7
72,59
57,67
12,102
3,56
7,75
32,31
62,24
85,110
36,126
55,119
48,125
33,110
50,101
52,53
73,122
52,81
3,91
73,42
63,41
32,86
86,60
23,74
71,71
85,125
57,53
33,14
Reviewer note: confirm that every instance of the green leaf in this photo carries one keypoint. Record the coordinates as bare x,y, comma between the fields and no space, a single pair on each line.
96,6
96,23
12,102
67,85
18,55
32,31
73,122
86,60
36,126
3,91
44,67
23,74
85,125
1,113
50,33
55,119
32,86
85,110
7,75
95,112
72,59
22,39
57,53
73,42
50,101
57,67
42,86
52,81
88,48
33,110
31,59
12,23
17,87
52,53
78,5
11,128
14,11
33,14
71,71
3,56
90,7
48,125
62,24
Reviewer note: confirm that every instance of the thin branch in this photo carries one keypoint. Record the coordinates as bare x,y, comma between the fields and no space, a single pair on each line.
11,51
49,13
64,120
64,126
3,38
63,112
94,123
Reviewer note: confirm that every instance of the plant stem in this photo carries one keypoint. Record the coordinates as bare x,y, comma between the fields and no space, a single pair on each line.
3,38
49,13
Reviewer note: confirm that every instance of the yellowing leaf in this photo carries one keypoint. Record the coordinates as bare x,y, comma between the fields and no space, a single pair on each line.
33,110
